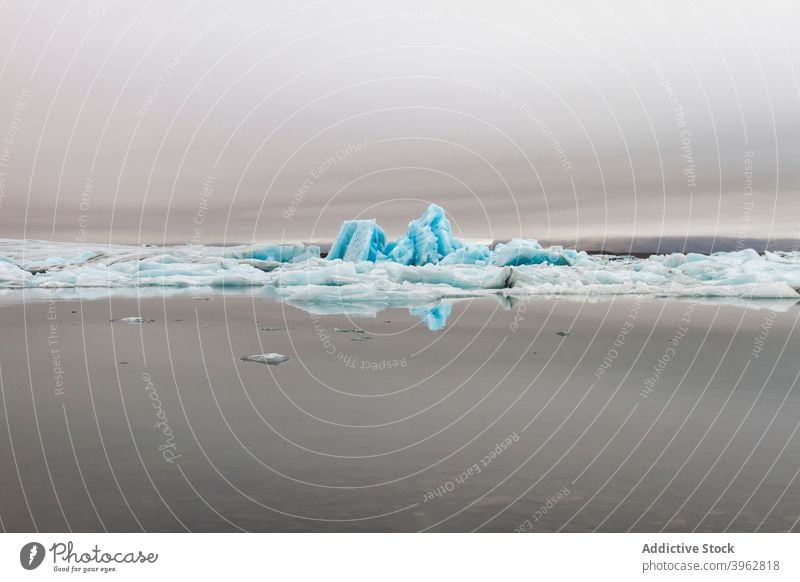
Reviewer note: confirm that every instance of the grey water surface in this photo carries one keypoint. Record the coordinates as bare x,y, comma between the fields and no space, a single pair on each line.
553,414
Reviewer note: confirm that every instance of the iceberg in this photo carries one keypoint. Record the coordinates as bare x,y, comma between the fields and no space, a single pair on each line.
428,240
358,240
468,255
425,269
272,253
530,252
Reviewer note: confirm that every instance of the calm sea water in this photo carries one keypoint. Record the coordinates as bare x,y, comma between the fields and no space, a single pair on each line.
572,415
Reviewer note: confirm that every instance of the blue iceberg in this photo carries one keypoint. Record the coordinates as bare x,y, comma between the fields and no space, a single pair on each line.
363,272
468,255
429,240
359,240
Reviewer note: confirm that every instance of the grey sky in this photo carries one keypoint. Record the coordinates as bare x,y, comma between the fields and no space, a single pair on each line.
124,120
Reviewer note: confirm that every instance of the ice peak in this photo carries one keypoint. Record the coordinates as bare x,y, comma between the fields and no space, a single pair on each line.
429,240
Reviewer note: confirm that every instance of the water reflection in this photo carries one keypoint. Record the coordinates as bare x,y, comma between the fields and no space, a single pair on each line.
434,317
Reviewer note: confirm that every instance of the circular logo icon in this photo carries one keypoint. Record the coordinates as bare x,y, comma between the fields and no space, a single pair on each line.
31,555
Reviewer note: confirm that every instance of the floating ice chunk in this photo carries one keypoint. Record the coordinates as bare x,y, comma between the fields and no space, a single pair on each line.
42,265
266,266
271,358
428,239
460,277
334,274
672,261
529,252
364,274
272,252
358,240
133,320
11,275
468,255
235,280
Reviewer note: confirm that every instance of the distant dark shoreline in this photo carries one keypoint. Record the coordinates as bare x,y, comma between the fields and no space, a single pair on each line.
646,246
641,247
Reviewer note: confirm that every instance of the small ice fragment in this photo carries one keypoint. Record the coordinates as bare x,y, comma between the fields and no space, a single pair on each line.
360,339
271,358
343,330
133,320
272,329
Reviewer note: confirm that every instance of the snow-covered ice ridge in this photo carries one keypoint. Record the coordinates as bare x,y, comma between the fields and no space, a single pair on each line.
427,264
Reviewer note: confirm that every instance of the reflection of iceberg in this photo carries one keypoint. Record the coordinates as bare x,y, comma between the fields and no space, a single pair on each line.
434,317
362,300
425,304
428,307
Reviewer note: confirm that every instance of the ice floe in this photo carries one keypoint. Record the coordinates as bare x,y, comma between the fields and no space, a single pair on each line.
271,358
365,272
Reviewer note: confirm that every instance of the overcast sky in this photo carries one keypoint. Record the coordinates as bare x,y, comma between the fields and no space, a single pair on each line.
214,121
